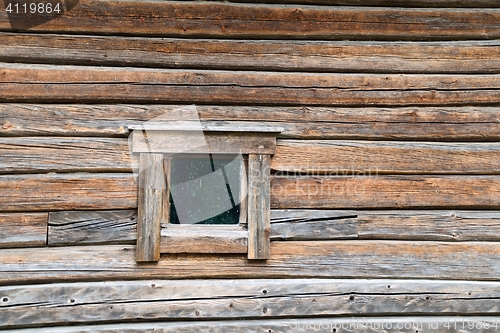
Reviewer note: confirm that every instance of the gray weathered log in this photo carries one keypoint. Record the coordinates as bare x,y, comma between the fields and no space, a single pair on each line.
362,157
100,302
410,123
92,227
23,229
323,56
307,259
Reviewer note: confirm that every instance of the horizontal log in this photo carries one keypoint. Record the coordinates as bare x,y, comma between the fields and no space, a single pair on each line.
317,56
54,304
67,192
374,191
390,3
410,123
359,157
23,229
53,154
48,83
260,21
307,259
203,239
437,324
92,227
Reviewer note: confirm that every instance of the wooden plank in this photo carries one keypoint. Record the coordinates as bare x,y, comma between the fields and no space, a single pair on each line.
92,227
258,198
203,239
374,191
52,154
23,229
336,56
260,21
361,157
37,83
216,142
52,192
152,195
395,3
162,300
401,324
409,123
307,259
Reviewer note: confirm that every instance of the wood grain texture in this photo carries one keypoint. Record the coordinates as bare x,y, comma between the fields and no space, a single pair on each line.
203,239
317,56
261,21
360,157
437,324
53,154
409,123
372,191
321,259
391,3
163,300
23,229
92,227
78,191
258,198
152,199
48,83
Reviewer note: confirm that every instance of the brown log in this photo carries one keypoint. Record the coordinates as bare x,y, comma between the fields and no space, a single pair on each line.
323,56
47,83
259,21
23,229
409,123
343,259
374,191
381,157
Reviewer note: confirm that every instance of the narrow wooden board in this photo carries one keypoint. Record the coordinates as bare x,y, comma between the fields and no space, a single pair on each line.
409,123
324,56
339,158
262,21
161,300
391,3
379,192
53,154
92,227
152,198
78,191
23,229
37,83
203,239
307,259
400,324
258,198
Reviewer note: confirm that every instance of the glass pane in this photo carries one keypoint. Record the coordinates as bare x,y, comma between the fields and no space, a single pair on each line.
205,189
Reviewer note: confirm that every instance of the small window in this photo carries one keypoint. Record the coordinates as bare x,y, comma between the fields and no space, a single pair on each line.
192,193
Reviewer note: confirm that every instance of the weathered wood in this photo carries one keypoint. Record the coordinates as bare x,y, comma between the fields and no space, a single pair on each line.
23,229
52,154
374,191
314,224
37,83
159,300
342,259
437,324
373,57
92,227
151,141
410,123
259,21
258,198
67,192
152,195
203,239
360,157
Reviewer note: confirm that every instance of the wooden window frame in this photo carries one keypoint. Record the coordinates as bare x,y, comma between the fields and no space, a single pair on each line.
155,235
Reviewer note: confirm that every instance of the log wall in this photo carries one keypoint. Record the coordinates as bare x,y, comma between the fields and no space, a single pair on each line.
385,184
